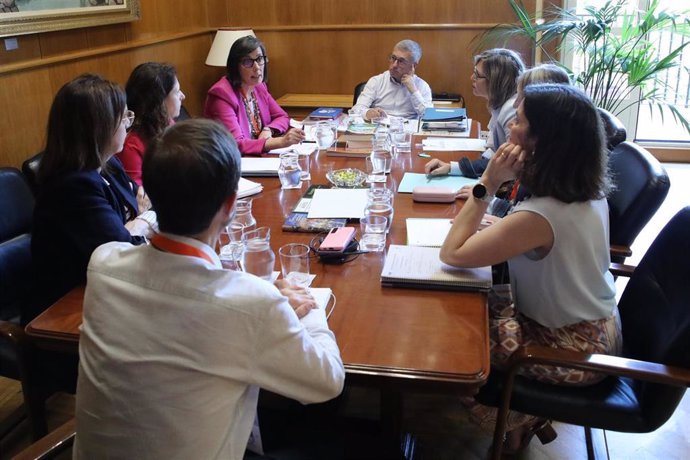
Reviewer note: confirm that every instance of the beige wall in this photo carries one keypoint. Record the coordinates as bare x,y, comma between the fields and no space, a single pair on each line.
318,46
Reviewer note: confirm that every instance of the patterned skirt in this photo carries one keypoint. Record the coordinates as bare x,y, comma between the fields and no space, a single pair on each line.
509,329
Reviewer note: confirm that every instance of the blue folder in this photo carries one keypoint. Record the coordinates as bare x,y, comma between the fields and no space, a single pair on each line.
439,114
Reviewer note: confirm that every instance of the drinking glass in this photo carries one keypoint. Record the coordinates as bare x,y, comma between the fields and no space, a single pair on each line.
304,164
289,171
294,263
325,134
380,195
380,209
258,258
231,250
373,229
381,160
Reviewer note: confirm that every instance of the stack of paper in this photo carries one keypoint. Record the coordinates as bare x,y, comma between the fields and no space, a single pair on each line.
445,144
260,166
338,202
247,187
306,148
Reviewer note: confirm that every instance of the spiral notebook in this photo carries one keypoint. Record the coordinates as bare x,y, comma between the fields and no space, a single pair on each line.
420,267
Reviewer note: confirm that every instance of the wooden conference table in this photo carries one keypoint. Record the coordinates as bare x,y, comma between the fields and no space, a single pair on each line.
400,338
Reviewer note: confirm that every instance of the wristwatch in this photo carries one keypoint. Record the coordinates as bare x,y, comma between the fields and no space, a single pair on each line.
480,192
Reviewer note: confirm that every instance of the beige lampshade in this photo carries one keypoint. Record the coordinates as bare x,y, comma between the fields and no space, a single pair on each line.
218,56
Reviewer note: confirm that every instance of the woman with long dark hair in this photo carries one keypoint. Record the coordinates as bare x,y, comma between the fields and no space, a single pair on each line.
561,293
154,94
84,197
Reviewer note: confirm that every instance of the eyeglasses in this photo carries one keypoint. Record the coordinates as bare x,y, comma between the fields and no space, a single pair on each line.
476,75
393,58
128,118
249,62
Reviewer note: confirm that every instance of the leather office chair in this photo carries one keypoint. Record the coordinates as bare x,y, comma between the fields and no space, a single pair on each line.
641,186
358,90
30,170
614,129
16,215
646,384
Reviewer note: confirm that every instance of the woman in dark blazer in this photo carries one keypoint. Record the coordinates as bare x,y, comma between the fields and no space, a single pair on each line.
85,198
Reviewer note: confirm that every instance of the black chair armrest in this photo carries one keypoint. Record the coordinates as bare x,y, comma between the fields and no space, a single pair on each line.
620,250
53,443
611,365
621,269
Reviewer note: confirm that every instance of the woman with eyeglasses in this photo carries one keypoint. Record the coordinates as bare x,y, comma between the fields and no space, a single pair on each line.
84,197
494,78
153,93
241,101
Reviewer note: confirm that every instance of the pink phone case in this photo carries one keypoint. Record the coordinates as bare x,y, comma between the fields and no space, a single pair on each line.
337,239
429,194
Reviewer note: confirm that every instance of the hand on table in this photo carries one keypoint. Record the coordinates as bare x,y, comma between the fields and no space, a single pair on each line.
375,113
299,298
437,167
291,137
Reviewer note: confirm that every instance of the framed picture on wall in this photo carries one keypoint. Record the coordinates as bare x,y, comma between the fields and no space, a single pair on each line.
20,17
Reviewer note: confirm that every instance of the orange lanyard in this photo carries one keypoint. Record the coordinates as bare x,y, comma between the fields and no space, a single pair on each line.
514,191
177,247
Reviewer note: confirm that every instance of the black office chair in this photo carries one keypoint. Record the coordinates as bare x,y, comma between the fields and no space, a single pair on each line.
358,90
614,129
16,215
30,170
646,384
641,187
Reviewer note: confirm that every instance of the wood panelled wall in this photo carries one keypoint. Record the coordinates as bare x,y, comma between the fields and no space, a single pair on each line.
317,46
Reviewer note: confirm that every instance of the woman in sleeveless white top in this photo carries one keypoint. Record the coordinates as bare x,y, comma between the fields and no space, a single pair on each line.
556,242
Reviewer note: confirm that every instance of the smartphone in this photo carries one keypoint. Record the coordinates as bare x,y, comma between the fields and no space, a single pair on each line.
337,239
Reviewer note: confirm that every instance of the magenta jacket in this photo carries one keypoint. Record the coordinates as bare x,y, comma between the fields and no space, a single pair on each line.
224,103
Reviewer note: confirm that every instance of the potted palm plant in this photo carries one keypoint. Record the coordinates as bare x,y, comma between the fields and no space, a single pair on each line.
615,49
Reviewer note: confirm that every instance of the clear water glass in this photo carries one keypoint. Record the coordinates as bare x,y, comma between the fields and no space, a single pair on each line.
258,258
373,230
380,209
294,263
325,134
380,195
381,160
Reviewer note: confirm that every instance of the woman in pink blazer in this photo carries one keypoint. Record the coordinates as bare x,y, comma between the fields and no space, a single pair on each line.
241,101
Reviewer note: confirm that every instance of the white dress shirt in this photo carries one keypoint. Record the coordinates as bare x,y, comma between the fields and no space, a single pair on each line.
173,351
383,92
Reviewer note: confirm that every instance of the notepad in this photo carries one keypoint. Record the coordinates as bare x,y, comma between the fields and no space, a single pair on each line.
260,166
427,232
246,188
411,180
420,267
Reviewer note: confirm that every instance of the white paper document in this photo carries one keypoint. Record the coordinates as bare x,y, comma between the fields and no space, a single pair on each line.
412,180
247,187
427,232
338,202
260,166
300,149
449,144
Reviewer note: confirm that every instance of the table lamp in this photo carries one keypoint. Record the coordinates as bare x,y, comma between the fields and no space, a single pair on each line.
225,37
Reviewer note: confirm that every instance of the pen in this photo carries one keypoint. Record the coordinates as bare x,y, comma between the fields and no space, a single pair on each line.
424,155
